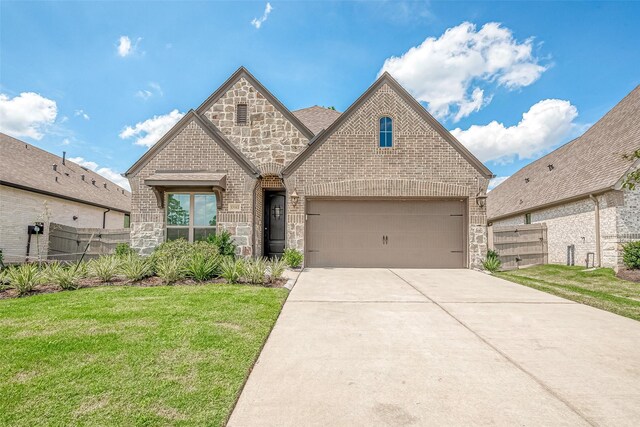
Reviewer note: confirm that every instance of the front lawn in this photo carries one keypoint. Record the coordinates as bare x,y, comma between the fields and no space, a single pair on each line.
599,288
131,355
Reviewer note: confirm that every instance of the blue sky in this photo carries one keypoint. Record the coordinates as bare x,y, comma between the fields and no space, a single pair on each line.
512,80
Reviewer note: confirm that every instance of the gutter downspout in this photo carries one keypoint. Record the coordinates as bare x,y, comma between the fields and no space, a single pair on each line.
597,224
104,218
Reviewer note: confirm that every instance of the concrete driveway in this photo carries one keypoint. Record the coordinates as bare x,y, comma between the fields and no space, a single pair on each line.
369,347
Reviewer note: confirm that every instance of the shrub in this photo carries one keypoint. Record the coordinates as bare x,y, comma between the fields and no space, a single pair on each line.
123,249
170,270
231,269
181,249
492,263
631,255
254,270
200,267
50,270
292,257
276,269
104,268
24,277
224,242
65,276
4,279
134,267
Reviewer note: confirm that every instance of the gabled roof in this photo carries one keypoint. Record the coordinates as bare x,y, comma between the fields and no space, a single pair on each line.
386,78
590,164
210,129
317,118
244,73
29,168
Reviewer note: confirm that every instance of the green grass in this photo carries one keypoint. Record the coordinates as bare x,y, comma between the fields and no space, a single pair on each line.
131,355
599,288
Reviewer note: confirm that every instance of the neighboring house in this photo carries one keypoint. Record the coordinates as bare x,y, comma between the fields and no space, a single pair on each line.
577,191
40,187
382,184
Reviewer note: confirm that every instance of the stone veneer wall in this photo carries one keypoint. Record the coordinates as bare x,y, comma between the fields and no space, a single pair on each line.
268,140
420,164
192,149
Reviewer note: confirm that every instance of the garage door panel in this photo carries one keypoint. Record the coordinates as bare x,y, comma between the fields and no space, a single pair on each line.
420,233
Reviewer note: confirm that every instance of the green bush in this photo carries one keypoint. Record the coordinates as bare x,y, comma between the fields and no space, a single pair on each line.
224,242
170,270
65,276
231,269
201,267
134,267
276,269
631,255
255,270
25,277
104,268
181,249
4,280
492,263
123,249
292,257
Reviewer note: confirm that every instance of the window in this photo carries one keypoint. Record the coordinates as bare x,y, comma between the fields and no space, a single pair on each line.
127,220
527,218
386,132
191,216
241,114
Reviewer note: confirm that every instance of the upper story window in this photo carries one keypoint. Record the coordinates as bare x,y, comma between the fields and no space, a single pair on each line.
527,218
191,216
386,132
241,114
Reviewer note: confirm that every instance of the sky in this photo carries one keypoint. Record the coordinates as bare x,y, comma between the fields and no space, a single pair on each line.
104,80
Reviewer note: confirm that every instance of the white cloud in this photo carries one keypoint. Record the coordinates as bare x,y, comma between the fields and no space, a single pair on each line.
497,181
27,114
126,47
146,93
447,72
108,173
66,141
82,114
257,22
151,130
545,125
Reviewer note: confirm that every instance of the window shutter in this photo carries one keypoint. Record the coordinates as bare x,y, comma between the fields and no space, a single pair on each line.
241,114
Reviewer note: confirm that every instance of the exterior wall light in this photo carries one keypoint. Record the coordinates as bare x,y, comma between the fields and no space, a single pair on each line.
481,199
294,198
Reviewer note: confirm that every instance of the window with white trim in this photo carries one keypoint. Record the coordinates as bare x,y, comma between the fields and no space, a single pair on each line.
191,216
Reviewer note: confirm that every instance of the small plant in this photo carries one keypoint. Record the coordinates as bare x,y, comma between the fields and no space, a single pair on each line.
24,277
64,276
104,268
631,255
200,267
123,249
50,270
134,267
255,270
180,248
292,257
276,269
231,269
224,242
4,279
170,270
492,263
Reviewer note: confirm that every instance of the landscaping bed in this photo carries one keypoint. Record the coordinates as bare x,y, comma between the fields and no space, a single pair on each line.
595,287
125,355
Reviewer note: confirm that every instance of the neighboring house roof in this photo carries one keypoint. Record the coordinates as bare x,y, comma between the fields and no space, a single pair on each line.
317,118
29,168
591,163
386,78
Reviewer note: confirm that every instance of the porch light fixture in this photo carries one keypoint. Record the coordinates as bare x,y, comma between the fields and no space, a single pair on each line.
294,198
481,199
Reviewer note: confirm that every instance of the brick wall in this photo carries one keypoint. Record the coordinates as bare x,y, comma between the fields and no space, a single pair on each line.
421,163
20,208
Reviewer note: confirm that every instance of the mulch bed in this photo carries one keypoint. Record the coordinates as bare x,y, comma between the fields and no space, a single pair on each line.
144,283
630,275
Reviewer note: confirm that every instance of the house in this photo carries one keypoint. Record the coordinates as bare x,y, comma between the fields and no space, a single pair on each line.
577,191
39,187
381,185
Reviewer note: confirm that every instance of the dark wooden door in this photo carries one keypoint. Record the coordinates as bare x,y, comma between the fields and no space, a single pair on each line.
274,223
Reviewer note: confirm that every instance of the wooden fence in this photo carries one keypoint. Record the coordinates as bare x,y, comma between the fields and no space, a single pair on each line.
521,245
67,243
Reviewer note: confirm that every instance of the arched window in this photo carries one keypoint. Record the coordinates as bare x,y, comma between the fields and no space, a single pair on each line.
386,132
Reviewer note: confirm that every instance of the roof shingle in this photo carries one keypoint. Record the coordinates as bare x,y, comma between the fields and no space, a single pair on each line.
26,166
589,164
316,118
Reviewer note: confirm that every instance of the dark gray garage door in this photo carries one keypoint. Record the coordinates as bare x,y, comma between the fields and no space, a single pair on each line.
385,233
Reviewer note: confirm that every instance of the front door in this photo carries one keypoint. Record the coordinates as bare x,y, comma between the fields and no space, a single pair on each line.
274,223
